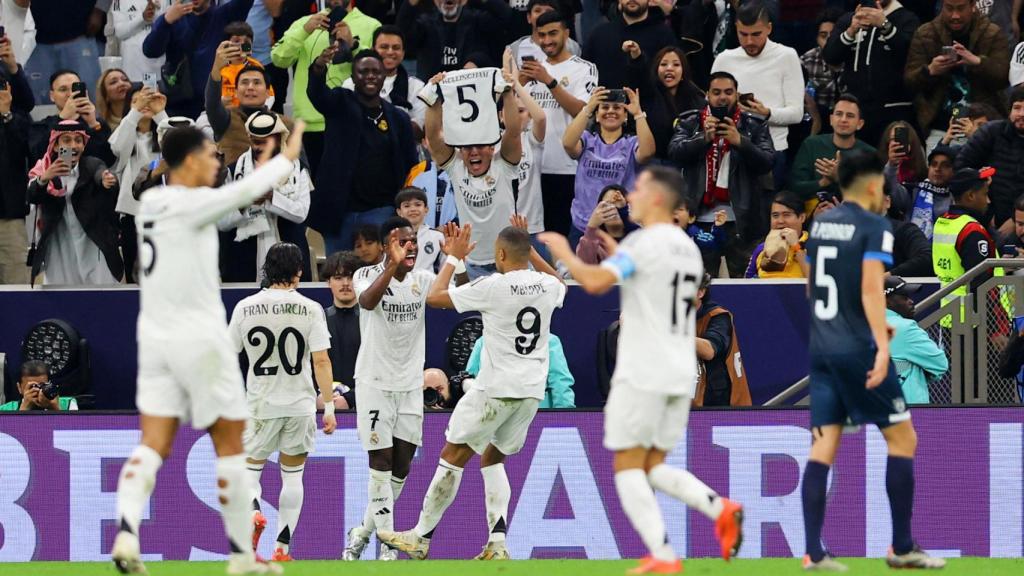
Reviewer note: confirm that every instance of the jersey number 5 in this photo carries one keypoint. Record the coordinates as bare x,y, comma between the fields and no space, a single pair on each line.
829,308
474,110
147,252
290,368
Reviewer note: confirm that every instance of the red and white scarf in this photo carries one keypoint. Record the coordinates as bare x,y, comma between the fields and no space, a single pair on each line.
714,194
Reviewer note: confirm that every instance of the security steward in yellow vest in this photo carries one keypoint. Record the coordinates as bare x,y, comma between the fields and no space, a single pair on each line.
960,241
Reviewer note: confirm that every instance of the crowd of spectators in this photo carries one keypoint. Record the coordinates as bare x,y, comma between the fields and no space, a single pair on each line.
754,101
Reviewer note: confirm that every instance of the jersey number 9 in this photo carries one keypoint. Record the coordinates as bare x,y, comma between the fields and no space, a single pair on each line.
527,343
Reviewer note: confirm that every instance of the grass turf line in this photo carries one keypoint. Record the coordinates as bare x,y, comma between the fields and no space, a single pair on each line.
758,567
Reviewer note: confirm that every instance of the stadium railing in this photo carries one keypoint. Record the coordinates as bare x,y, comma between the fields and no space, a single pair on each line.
972,339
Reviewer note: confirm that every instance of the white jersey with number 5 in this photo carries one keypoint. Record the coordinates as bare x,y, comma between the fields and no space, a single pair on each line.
660,269
179,296
516,309
278,329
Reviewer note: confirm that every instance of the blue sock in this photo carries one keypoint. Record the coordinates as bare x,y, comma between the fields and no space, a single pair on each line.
814,494
899,484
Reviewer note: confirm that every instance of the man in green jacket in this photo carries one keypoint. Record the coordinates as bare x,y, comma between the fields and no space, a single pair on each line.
33,386
305,39
558,393
917,358
816,163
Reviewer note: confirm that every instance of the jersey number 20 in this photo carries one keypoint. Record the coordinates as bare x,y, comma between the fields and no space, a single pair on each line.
290,368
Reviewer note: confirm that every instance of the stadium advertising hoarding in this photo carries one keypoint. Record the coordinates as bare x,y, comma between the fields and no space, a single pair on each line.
58,474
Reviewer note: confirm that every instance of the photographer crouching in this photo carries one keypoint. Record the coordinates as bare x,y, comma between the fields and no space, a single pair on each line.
37,391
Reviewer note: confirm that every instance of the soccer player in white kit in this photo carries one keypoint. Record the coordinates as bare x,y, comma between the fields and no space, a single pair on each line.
659,269
493,418
278,328
188,370
389,376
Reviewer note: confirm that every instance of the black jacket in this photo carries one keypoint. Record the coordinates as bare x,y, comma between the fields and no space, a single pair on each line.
485,29
98,147
342,112
94,207
911,251
873,72
343,325
999,145
719,334
604,47
747,163
14,166
21,92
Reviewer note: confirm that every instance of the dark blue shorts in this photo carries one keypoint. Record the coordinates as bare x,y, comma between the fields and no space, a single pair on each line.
838,394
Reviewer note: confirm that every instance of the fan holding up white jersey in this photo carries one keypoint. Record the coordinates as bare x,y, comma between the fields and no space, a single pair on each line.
470,107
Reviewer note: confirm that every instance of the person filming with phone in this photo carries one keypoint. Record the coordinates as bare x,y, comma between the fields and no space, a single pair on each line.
723,152
71,97
75,196
959,58
605,155
37,391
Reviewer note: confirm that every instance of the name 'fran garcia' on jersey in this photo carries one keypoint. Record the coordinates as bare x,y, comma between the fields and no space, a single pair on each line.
282,309
834,231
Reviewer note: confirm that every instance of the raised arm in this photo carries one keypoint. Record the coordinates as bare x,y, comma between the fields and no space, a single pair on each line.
572,140
646,146
511,140
458,246
218,115
440,152
371,297
325,100
538,119
536,260
594,279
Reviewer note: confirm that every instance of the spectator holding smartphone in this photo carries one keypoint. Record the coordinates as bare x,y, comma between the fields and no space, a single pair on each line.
611,216
112,101
723,152
966,121
75,196
71,96
14,74
239,34
927,199
958,58
605,155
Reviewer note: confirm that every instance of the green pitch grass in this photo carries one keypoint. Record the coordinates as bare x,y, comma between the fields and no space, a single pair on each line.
763,567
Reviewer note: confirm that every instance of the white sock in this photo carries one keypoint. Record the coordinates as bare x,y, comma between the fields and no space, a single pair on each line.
367,528
135,484
235,491
382,500
289,504
497,493
255,474
642,510
687,488
440,496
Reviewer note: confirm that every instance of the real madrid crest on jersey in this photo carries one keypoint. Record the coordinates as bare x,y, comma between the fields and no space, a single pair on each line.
416,289
489,180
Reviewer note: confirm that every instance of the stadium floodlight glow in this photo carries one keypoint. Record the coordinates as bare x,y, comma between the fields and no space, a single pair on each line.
59,344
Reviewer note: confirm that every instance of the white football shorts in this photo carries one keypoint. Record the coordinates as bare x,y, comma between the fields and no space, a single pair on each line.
196,380
479,420
291,435
644,419
383,415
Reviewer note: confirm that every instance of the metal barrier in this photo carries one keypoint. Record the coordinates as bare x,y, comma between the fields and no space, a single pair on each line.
973,337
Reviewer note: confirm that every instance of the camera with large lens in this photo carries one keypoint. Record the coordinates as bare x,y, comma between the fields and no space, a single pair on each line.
432,398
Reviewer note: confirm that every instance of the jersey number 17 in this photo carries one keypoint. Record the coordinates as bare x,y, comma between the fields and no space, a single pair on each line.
689,285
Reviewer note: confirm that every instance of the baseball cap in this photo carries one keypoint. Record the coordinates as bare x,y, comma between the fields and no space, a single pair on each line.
967,179
897,285
944,150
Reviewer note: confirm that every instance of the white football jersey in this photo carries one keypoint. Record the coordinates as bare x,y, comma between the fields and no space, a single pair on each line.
579,77
279,329
487,202
516,309
470,111
530,202
179,280
660,269
429,251
393,334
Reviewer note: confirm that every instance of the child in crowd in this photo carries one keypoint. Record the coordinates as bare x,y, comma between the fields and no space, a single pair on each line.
411,204
709,241
367,244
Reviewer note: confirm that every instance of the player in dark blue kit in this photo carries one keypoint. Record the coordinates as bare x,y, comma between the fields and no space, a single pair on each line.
852,378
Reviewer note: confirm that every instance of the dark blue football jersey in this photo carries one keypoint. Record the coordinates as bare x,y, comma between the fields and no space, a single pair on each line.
840,241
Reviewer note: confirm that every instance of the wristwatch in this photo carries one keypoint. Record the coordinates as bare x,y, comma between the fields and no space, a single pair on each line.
551,85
